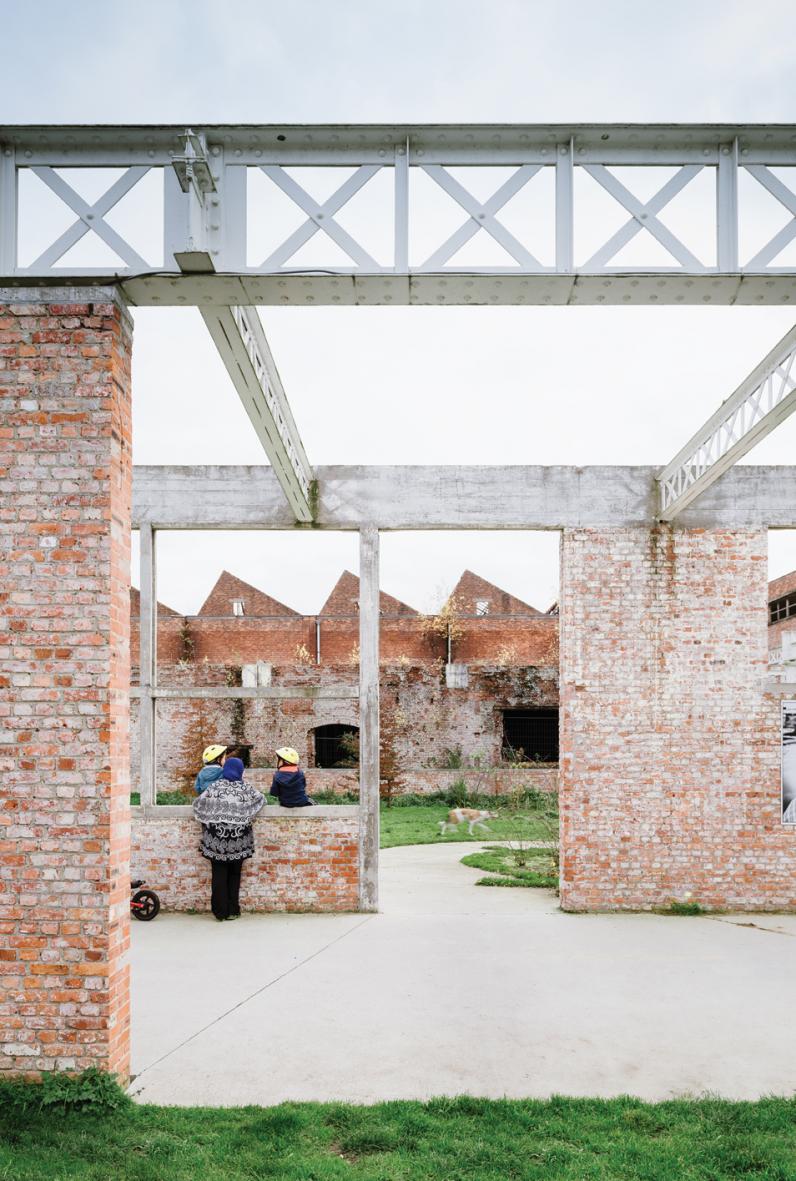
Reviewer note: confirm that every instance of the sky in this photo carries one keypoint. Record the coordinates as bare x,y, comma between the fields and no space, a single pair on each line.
412,385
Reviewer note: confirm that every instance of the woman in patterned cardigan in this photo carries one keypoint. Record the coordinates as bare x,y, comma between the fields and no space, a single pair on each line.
226,810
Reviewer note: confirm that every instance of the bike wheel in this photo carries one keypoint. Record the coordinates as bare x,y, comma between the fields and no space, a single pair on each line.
145,905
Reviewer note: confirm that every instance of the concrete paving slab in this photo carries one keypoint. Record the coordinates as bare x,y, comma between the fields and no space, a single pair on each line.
454,989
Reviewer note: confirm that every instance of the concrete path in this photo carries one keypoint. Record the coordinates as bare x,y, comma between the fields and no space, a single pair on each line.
460,989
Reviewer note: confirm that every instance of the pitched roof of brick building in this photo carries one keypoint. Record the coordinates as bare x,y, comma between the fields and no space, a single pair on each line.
471,589
344,599
228,588
783,585
135,605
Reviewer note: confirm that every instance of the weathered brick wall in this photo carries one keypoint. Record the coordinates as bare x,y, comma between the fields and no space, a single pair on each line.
307,863
422,720
669,748
65,480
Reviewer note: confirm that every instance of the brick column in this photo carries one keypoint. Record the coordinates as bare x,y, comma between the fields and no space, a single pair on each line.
669,748
65,486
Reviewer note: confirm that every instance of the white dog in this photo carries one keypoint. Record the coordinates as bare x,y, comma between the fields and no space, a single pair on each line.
469,816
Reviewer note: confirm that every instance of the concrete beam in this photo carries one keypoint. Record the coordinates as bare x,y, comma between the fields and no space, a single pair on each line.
422,498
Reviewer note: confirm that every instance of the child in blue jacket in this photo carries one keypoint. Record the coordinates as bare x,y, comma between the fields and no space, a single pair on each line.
289,785
213,759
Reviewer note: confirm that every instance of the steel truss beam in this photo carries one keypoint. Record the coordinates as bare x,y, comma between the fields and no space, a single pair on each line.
761,402
238,335
206,177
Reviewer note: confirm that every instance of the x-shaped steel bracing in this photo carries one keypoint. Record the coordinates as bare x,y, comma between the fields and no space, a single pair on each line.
90,217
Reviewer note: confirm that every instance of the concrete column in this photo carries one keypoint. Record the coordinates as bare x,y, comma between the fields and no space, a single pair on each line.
65,486
669,747
369,765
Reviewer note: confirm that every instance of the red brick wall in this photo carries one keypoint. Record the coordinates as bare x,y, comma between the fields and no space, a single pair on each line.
776,589
422,719
669,749
65,478
299,864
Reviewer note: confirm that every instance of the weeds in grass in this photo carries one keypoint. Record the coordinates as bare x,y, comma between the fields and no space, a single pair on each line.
499,863
683,908
93,1091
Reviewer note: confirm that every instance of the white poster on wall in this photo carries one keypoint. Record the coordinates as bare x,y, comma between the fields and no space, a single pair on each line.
789,762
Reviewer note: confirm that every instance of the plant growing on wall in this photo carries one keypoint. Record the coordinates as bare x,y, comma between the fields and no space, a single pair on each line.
187,646
237,713
446,625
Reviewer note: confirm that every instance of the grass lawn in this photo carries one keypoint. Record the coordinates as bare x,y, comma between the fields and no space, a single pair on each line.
418,824
501,864
466,1139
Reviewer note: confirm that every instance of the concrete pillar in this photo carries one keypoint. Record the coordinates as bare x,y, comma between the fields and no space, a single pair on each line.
669,747
65,485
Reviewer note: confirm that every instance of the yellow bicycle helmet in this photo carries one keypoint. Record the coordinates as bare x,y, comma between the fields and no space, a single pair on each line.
212,752
288,754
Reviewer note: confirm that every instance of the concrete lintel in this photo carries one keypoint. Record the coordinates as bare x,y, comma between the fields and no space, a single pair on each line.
234,692
451,497
269,812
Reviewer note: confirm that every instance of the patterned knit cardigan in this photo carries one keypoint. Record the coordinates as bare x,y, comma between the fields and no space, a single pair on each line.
226,810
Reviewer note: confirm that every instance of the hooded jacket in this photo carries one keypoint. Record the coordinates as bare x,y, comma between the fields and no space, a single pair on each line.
207,776
290,789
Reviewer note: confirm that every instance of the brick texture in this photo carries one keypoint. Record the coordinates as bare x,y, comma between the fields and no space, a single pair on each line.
669,748
65,480
298,865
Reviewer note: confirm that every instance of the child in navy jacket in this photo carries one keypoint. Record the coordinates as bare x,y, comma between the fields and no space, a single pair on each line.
289,785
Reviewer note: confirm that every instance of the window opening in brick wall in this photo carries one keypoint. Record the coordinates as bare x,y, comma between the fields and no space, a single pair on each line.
482,607
782,608
238,607
530,735
336,746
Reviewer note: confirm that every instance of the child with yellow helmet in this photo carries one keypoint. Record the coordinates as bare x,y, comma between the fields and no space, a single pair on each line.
213,757
289,785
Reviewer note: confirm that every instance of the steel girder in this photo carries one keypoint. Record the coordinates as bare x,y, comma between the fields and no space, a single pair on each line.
762,401
204,179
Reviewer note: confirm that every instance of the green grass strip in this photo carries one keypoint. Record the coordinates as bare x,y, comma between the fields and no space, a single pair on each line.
467,1138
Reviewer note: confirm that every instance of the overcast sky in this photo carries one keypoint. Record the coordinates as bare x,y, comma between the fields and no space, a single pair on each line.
468,385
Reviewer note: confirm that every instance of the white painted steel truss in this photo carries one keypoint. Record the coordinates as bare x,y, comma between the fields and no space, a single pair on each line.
761,402
207,184
239,337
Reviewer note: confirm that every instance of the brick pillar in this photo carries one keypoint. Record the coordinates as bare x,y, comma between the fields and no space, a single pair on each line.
669,748
65,487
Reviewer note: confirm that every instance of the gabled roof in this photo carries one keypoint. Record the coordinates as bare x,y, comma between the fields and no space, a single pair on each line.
135,605
784,585
471,588
255,602
344,599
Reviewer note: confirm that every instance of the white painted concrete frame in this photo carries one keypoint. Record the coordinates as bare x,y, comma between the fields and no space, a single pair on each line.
148,693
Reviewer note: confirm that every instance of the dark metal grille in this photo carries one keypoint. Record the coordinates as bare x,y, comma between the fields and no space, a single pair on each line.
782,608
530,735
330,751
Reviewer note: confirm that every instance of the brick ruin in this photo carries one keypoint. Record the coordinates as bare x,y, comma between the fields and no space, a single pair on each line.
441,719
669,737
